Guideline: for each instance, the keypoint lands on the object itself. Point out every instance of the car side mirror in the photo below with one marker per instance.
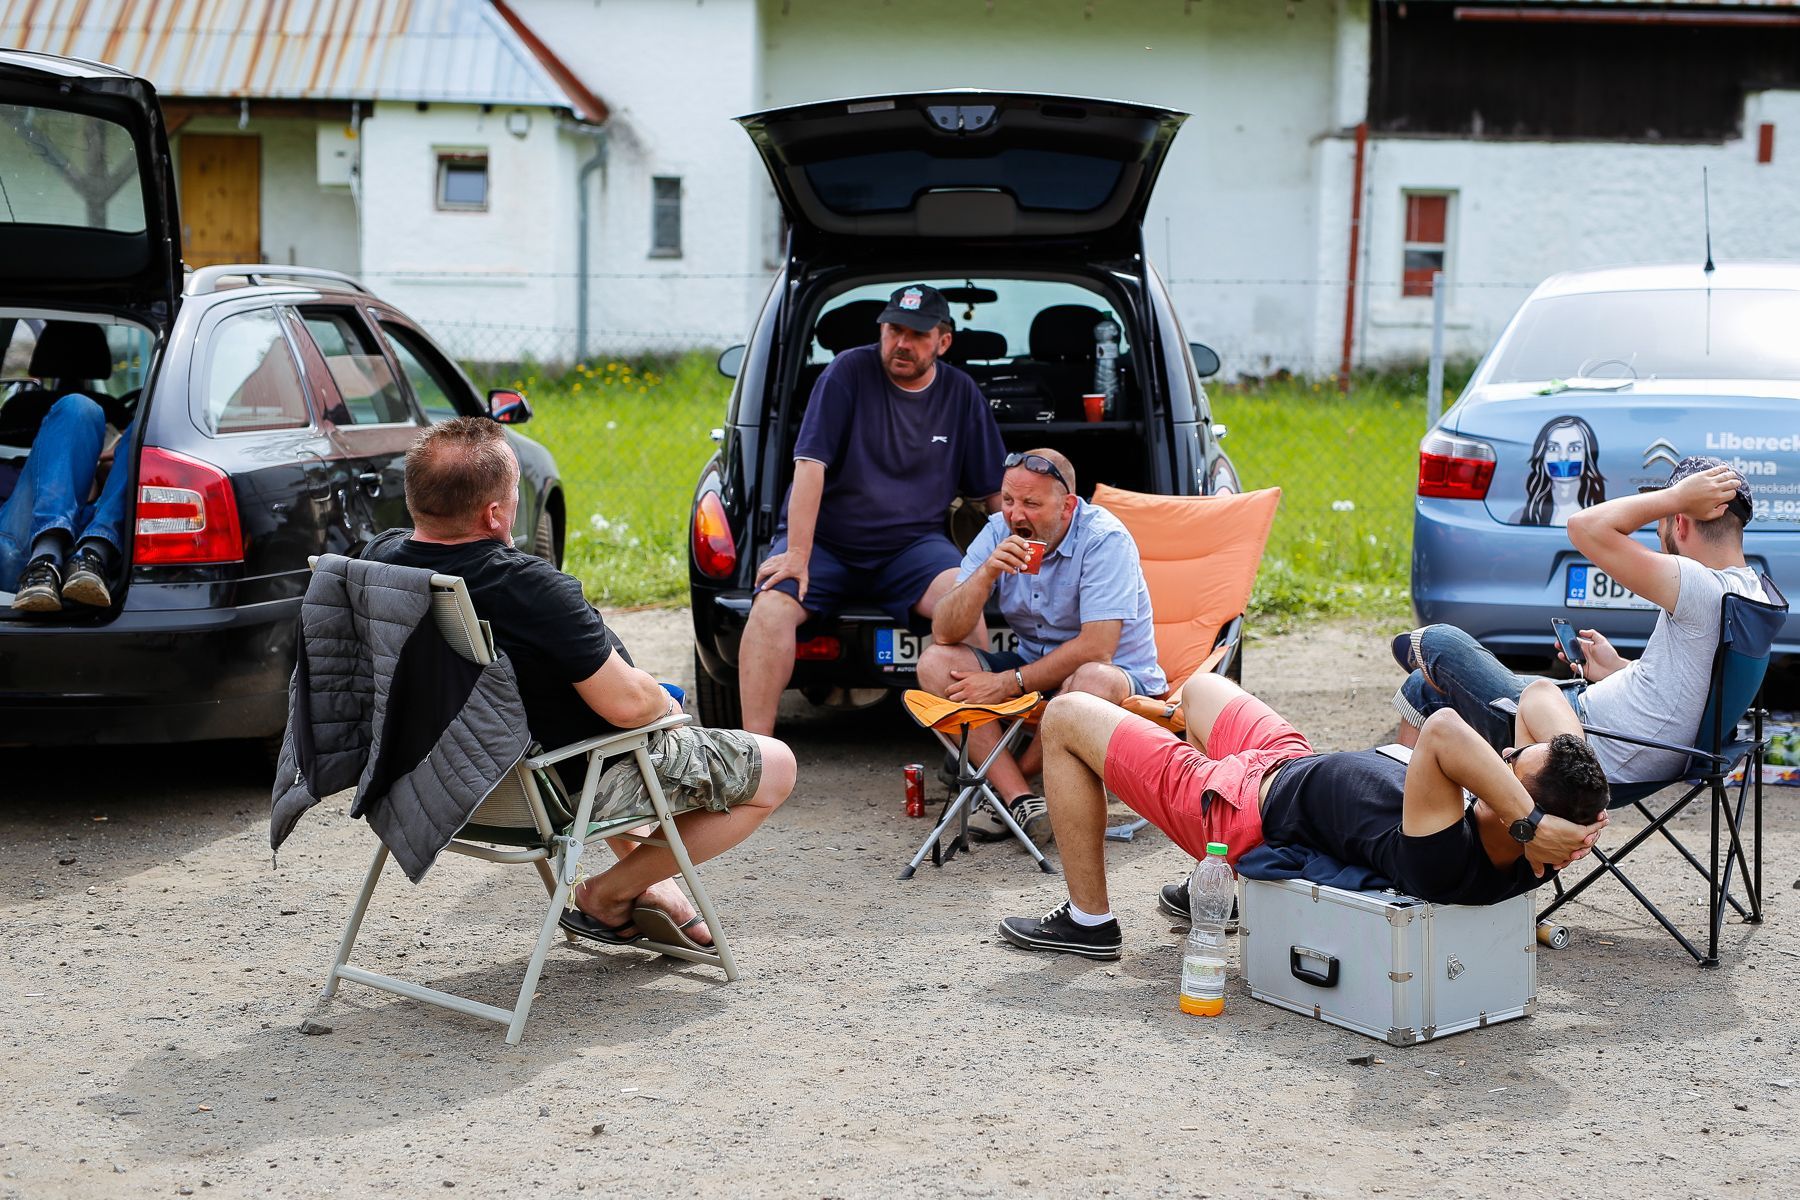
(1206, 360)
(731, 361)
(508, 407)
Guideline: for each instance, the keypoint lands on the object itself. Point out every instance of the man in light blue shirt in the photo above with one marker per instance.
(1082, 619)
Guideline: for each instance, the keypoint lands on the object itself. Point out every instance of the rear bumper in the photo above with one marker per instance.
(719, 619)
(148, 676)
(1502, 583)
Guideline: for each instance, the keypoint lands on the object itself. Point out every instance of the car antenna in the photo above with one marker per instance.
(1706, 218)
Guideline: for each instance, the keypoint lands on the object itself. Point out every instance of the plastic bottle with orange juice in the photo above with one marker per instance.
(1210, 892)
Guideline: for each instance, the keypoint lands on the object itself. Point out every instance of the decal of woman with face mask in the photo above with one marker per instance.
(1564, 475)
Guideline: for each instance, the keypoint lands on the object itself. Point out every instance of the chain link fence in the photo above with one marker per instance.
(629, 424)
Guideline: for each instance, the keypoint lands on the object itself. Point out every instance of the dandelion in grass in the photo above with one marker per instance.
(612, 424)
(1343, 506)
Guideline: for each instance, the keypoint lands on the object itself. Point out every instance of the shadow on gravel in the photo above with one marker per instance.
(116, 810)
(390, 1062)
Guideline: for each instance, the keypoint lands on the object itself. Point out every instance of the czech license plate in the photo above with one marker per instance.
(1590, 587)
(896, 648)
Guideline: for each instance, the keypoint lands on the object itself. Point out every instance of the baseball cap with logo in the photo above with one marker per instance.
(1693, 464)
(917, 306)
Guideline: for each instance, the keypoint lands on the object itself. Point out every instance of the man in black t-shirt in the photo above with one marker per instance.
(1246, 776)
(575, 679)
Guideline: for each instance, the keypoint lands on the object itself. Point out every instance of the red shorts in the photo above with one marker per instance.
(1198, 798)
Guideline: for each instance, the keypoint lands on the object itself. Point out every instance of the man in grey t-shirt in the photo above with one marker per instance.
(1700, 516)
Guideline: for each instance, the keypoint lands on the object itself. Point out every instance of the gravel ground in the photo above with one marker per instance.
(881, 1041)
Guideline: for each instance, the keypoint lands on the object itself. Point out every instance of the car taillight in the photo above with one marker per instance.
(715, 553)
(823, 648)
(186, 512)
(1454, 468)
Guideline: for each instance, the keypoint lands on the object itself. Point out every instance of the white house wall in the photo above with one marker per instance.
(672, 75)
(1525, 210)
(497, 284)
(1234, 208)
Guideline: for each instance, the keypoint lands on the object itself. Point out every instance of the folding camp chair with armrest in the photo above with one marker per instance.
(951, 721)
(1747, 631)
(527, 819)
(1199, 555)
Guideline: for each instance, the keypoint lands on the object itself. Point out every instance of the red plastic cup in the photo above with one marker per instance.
(1037, 556)
(1094, 404)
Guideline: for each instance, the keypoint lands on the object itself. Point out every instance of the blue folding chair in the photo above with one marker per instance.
(1747, 630)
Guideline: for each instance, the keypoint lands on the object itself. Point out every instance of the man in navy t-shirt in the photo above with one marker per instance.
(891, 436)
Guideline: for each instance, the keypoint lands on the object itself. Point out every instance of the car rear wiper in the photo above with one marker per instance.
(1580, 383)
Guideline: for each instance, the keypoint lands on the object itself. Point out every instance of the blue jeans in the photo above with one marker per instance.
(1451, 670)
(51, 492)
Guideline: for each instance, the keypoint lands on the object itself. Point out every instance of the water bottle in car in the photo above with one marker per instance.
(1210, 893)
(1106, 362)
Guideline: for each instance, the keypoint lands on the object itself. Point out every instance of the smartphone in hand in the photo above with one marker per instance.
(1565, 637)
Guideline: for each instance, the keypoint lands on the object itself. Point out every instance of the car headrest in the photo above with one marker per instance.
(850, 325)
(1064, 333)
(71, 350)
(976, 345)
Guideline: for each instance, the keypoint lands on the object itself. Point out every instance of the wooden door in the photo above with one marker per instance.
(221, 198)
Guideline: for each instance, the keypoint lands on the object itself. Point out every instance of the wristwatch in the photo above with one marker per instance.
(1019, 678)
(1525, 828)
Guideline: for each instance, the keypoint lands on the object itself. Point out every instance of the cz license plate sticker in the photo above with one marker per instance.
(899, 649)
(1590, 587)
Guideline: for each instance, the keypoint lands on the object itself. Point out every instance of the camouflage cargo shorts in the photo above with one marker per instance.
(698, 768)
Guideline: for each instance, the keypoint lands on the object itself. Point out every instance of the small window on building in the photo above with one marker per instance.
(462, 182)
(665, 216)
(1426, 244)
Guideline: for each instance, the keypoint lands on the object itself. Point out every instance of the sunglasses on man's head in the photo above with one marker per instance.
(1038, 465)
(1509, 757)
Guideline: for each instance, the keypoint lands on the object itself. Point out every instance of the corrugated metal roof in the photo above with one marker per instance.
(453, 51)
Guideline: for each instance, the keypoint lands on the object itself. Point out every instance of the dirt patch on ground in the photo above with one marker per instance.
(881, 1041)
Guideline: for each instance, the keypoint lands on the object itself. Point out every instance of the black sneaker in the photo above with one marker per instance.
(86, 578)
(1175, 902)
(1056, 930)
(40, 587)
(1028, 811)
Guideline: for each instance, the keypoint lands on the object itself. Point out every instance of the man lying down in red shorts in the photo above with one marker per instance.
(1245, 775)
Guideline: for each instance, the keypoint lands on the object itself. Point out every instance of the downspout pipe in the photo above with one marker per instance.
(1356, 221)
(597, 162)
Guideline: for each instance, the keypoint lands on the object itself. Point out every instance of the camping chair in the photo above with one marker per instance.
(528, 819)
(1199, 555)
(951, 722)
(1747, 631)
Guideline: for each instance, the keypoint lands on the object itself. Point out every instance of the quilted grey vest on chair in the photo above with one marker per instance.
(380, 702)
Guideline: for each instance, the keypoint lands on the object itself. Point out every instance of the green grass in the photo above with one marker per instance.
(1346, 466)
(630, 438)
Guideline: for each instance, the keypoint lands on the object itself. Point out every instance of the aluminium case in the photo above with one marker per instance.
(1388, 965)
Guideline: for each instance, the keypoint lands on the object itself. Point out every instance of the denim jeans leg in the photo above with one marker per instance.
(1457, 673)
(55, 482)
(106, 516)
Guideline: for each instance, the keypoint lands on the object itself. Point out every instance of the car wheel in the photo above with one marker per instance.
(716, 703)
(543, 537)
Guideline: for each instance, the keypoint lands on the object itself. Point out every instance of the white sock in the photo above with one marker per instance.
(1088, 920)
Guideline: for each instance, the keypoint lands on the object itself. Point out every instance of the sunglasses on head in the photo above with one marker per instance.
(1038, 465)
(1511, 756)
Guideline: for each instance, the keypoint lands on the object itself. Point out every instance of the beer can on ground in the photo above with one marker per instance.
(1554, 936)
(915, 789)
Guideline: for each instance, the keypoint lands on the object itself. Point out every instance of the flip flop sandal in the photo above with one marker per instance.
(582, 925)
(659, 926)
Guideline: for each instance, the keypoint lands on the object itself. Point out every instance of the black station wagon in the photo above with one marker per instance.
(1026, 211)
(269, 406)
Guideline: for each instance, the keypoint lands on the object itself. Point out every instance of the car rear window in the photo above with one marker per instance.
(251, 382)
(890, 180)
(371, 394)
(65, 168)
(1684, 334)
